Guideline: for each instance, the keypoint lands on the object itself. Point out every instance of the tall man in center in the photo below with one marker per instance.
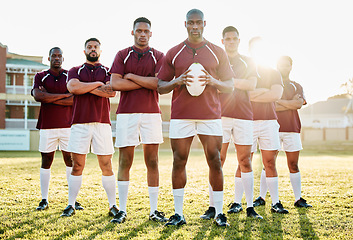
(199, 115)
(139, 119)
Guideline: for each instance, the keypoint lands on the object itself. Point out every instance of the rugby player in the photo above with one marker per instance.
(199, 115)
(91, 124)
(139, 119)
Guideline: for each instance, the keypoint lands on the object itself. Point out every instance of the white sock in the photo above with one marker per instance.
(44, 182)
(210, 190)
(123, 188)
(68, 173)
(75, 183)
(238, 190)
(109, 186)
(178, 200)
(272, 183)
(263, 184)
(248, 184)
(153, 194)
(218, 202)
(295, 179)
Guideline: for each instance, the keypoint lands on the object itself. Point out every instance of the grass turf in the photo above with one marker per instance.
(327, 178)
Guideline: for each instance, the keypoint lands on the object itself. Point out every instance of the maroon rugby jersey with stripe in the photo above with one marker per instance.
(143, 62)
(266, 78)
(177, 61)
(289, 120)
(237, 104)
(52, 115)
(90, 108)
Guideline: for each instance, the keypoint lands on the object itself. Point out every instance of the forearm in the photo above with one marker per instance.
(280, 108)
(225, 86)
(291, 104)
(78, 88)
(46, 97)
(104, 91)
(120, 84)
(164, 87)
(245, 84)
(68, 101)
(145, 82)
(272, 95)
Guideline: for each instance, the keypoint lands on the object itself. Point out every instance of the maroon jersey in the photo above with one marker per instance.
(289, 120)
(177, 61)
(89, 108)
(237, 104)
(266, 78)
(52, 115)
(146, 63)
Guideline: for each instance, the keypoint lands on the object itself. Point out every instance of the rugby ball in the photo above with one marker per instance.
(195, 89)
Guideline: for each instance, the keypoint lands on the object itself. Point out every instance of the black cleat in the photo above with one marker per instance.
(113, 211)
(209, 214)
(120, 217)
(43, 205)
(221, 220)
(158, 217)
(78, 206)
(278, 208)
(250, 212)
(301, 203)
(234, 208)
(176, 220)
(259, 201)
(68, 211)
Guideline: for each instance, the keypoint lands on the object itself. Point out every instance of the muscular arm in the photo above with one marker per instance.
(270, 95)
(65, 101)
(245, 84)
(222, 86)
(45, 97)
(104, 91)
(77, 87)
(293, 104)
(164, 87)
(145, 82)
(119, 83)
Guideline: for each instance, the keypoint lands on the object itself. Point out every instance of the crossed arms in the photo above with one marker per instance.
(98, 88)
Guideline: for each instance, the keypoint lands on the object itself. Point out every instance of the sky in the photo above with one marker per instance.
(317, 35)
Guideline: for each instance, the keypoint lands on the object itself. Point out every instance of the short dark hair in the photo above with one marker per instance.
(194, 11)
(141, 19)
(92, 39)
(285, 58)
(54, 48)
(229, 29)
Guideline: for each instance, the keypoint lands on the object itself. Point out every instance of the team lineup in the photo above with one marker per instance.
(219, 95)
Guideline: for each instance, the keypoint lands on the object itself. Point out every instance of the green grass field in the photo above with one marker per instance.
(327, 179)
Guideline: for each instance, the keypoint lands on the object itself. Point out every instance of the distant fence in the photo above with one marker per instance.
(327, 134)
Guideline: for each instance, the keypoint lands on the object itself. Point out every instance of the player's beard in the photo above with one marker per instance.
(92, 59)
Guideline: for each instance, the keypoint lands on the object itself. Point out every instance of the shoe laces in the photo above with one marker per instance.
(159, 214)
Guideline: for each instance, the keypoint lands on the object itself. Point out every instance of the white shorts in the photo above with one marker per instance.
(239, 129)
(266, 132)
(51, 139)
(180, 128)
(135, 128)
(290, 141)
(98, 136)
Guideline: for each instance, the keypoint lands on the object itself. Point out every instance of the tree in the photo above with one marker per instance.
(348, 86)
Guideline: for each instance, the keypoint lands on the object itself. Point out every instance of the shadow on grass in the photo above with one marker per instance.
(306, 227)
(271, 226)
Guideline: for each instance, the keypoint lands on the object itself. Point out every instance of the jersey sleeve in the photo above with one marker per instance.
(276, 78)
(225, 71)
(160, 56)
(37, 82)
(118, 65)
(72, 74)
(167, 70)
(300, 92)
